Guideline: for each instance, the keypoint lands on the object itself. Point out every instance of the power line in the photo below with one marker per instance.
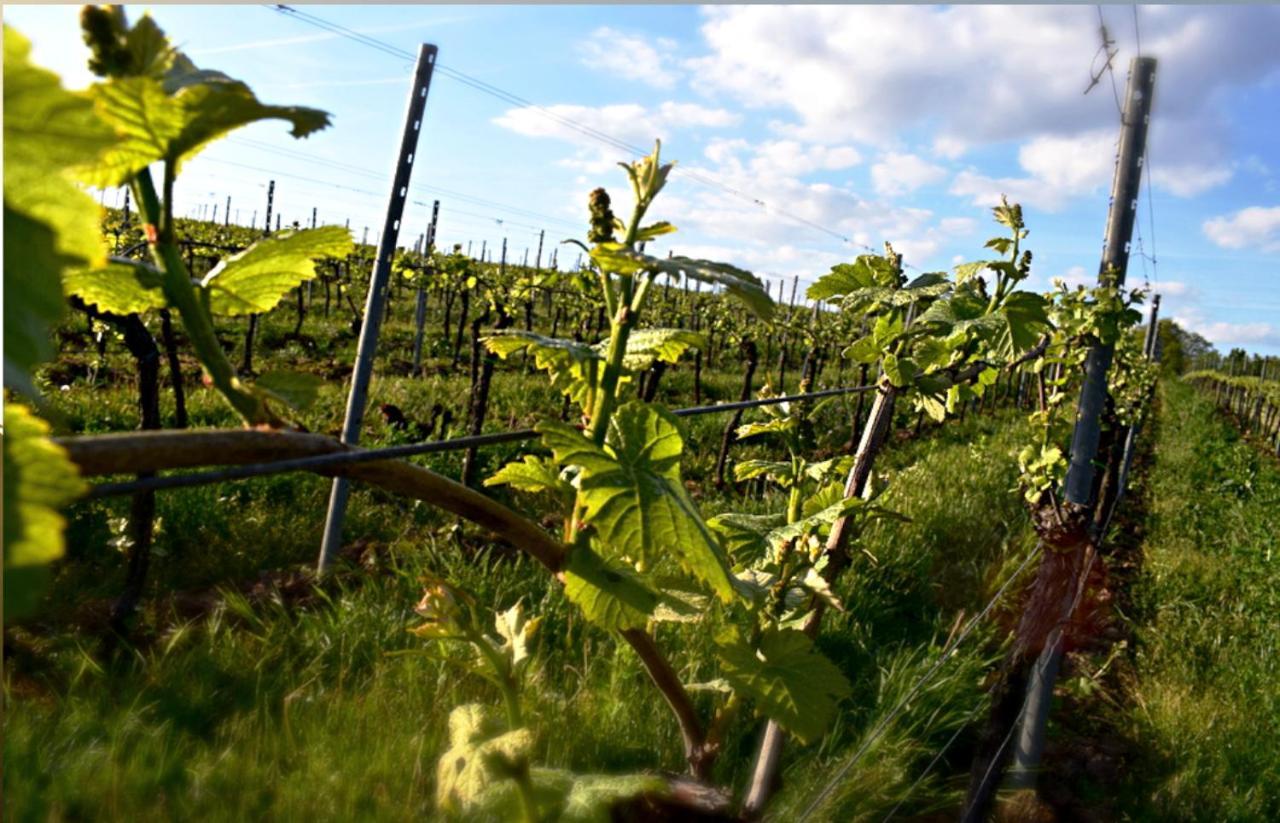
(366, 192)
(567, 122)
(352, 169)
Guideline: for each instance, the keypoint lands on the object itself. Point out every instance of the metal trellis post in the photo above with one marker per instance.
(377, 296)
(1079, 486)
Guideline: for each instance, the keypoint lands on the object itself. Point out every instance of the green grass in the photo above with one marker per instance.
(1206, 700)
(330, 709)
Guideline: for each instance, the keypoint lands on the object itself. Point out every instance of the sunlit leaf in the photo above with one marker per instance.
(121, 287)
(632, 494)
(788, 679)
(297, 390)
(611, 596)
(255, 280)
(38, 480)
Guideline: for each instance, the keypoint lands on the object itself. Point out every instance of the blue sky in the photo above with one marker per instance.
(876, 122)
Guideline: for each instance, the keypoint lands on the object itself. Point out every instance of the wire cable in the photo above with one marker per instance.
(567, 122)
(920, 684)
(266, 468)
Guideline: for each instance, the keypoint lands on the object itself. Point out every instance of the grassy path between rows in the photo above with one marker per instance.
(1204, 700)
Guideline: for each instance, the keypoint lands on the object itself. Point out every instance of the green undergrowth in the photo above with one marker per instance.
(1205, 703)
(323, 705)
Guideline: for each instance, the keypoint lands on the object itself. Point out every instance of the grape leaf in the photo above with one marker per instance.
(173, 118)
(478, 756)
(612, 597)
(646, 345)
(295, 389)
(254, 280)
(632, 494)
(50, 225)
(38, 479)
(567, 362)
(121, 287)
(789, 680)
(865, 272)
(532, 474)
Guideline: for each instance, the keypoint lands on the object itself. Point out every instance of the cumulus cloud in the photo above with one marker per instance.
(1226, 334)
(988, 74)
(631, 57)
(1255, 227)
(896, 174)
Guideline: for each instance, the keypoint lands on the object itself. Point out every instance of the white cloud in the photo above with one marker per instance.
(980, 75)
(1225, 334)
(780, 158)
(1190, 179)
(629, 122)
(1256, 226)
(980, 72)
(792, 158)
(1059, 168)
(949, 147)
(898, 174)
(630, 57)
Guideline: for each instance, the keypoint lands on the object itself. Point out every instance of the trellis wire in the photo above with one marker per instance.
(920, 684)
(180, 481)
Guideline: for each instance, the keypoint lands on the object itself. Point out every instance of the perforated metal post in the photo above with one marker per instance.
(420, 312)
(376, 299)
(271, 195)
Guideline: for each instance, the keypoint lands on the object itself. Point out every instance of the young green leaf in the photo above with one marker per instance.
(568, 363)
(479, 755)
(38, 479)
(50, 224)
(632, 494)
(254, 280)
(173, 118)
(740, 283)
(296, 390)
(122, 287)
(790, 681)
(532, 474)
(611, 596)
(647, 345)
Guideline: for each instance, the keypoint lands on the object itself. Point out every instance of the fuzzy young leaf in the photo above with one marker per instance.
(592, 797)
(532, 474)
(254, 280)
(479, 756)
(647, 233)
(790, 681)
(632, 494)
(516, 631)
